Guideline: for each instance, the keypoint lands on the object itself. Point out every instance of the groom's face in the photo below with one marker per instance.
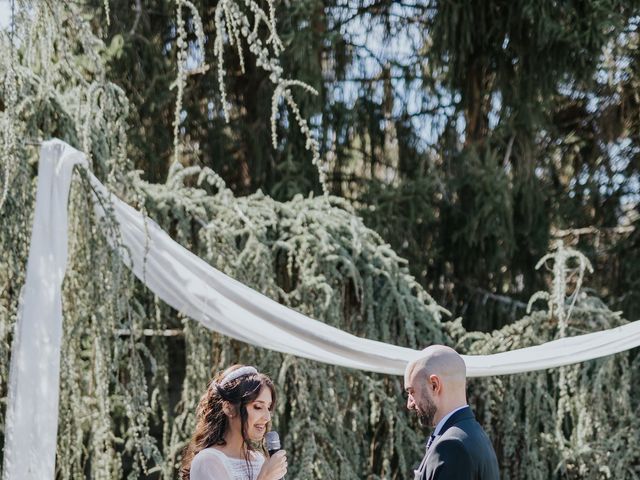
(420, 401)
(426, 410)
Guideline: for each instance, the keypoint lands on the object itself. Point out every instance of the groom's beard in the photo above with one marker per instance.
(426, 412)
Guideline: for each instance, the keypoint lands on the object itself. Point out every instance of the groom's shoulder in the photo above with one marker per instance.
(469, 436)
(451, 448)
(461, 431)
(467, 431)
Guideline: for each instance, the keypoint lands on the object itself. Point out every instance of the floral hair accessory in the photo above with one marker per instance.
(237, 373)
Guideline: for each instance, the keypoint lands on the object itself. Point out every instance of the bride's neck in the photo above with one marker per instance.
(235, 446)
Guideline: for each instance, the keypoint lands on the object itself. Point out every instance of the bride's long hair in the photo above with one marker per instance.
(211, 421)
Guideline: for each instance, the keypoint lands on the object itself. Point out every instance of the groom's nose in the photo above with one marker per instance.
(410, 402)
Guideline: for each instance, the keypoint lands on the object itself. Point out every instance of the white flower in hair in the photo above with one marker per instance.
(240, 372)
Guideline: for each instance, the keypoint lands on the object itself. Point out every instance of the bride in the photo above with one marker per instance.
(232, 417)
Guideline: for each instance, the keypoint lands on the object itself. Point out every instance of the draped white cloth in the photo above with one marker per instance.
(195, 288)
(220, 303)
(32, 403)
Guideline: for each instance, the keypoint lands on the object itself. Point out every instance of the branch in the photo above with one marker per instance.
(558, 233)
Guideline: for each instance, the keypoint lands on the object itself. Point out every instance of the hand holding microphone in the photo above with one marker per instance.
(275, 467)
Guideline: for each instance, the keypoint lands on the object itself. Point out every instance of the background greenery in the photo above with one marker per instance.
(466, 134)
(461, 139)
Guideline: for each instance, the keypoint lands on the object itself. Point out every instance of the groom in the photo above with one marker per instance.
(458, 448)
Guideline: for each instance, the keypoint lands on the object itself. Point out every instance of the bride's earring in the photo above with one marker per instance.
(228, 411)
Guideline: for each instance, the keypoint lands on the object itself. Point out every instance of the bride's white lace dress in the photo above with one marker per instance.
(212, 464)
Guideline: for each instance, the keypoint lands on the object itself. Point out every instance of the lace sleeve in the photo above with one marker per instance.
(209, 465)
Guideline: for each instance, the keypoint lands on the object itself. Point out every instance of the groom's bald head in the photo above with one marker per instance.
(439, 360)
(438, 377)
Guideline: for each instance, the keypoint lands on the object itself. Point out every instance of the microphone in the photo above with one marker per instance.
(272, 441)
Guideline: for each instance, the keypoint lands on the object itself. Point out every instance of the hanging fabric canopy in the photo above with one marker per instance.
(195, 288)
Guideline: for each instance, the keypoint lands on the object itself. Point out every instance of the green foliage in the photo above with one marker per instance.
(588, 432)
(412, 94)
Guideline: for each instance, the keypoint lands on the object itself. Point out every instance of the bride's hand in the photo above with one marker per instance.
(275, 467)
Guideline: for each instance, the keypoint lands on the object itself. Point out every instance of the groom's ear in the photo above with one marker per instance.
(434, 384)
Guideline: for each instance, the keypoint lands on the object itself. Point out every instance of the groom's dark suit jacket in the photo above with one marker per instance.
(462, 451)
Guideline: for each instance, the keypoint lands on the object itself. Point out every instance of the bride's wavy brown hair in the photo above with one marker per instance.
(211, 421)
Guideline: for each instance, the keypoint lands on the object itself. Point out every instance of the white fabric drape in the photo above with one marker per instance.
(32, 403)
(192, 286)
(195, 288)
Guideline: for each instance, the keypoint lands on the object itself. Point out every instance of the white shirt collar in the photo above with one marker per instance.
(441, 423)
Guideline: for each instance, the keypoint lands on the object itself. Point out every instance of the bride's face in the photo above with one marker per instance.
(259, 414)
